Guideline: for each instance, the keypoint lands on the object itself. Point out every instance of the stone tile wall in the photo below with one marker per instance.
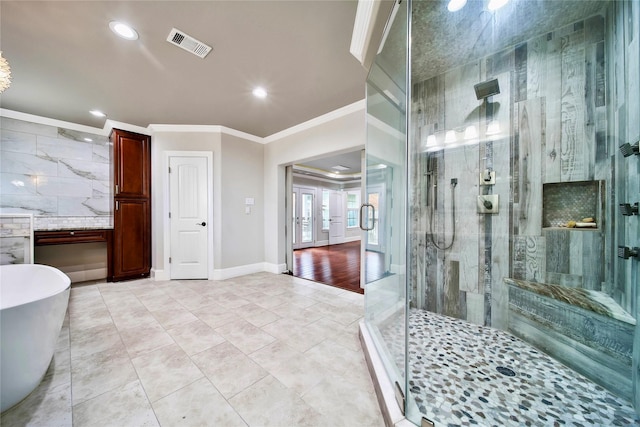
(16, 239)
(55, 172)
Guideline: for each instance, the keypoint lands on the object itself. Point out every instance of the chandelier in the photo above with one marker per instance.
(5, 74)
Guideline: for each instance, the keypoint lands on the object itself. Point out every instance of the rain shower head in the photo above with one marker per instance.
(487, 89)
(628, 149)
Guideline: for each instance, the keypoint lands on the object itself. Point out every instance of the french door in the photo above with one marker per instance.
(303, 202)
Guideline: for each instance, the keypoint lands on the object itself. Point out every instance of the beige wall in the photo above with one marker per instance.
(242, 177)
(161, 142)
(237, 175)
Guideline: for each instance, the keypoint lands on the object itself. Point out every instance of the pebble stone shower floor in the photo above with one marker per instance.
(456, 379)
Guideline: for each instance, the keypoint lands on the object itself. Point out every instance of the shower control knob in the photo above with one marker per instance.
(488, 204)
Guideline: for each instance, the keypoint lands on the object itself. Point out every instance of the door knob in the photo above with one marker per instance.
(201, 223)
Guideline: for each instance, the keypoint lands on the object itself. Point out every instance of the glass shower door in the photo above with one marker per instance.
(383, 214)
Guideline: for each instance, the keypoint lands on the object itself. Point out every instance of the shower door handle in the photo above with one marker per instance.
(362, 208)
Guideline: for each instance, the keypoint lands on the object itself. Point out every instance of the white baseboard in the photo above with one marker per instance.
(351, 239)
(228, 273)
(160, 274)
(321, 243)
(274, 268)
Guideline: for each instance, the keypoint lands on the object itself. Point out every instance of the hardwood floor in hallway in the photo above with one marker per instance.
(337, 265)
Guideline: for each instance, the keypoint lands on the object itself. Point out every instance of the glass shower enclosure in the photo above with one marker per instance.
(502, 156)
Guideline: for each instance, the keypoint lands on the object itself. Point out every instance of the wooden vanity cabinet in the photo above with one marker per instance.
(131, 252)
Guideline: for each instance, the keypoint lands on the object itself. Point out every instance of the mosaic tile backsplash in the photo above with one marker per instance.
(51, 171)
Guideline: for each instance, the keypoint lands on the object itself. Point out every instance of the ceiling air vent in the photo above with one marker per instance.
(188, 43)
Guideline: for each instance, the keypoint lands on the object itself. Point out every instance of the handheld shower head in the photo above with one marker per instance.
(628, 149)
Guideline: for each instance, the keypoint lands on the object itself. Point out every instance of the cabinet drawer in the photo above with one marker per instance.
(64, 237)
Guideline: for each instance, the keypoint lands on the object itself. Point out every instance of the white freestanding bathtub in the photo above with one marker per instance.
(33, 303)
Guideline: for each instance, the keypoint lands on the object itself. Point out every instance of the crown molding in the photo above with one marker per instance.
(205, 129)
(154, 128)
(309, 124)
(112, 124)
(10, 114)
(363, 28)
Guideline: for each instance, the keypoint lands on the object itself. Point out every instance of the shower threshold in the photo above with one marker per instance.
(465, 374)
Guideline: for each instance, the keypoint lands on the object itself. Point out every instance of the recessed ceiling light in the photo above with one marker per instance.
(88, 139)
(123, 30)
(260, 92)
(98, 113)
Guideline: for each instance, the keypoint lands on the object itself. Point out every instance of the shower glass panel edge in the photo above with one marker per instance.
(384, 205)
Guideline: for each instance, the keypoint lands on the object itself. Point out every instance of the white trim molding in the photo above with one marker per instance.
(275, 268)
(241, 270)
(206, 129)
(10, 114)
(159, 275)
(309, 124)
(363, 28)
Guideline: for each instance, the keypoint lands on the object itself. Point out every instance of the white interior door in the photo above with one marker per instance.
(188, 216)
(336, 217)
(303, 217)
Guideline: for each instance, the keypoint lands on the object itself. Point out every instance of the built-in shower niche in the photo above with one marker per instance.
(574, 248)
(566, 202)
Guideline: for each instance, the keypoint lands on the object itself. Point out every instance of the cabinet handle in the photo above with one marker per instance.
(117, 190)
(117, 205)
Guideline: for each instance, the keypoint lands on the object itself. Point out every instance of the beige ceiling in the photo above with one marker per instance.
(65, 61)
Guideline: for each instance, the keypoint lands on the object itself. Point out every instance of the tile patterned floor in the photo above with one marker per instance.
(257, 350)
(456, 379)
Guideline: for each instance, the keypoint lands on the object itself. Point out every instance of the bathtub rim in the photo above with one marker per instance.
(64, 280)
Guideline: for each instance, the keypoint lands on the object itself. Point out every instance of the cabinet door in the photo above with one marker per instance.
(132, 164)
(131, 239)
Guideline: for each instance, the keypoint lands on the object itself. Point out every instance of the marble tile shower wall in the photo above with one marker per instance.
(16, 236)
(55, 174)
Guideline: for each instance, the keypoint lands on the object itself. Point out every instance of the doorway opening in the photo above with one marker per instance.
(323, 201)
